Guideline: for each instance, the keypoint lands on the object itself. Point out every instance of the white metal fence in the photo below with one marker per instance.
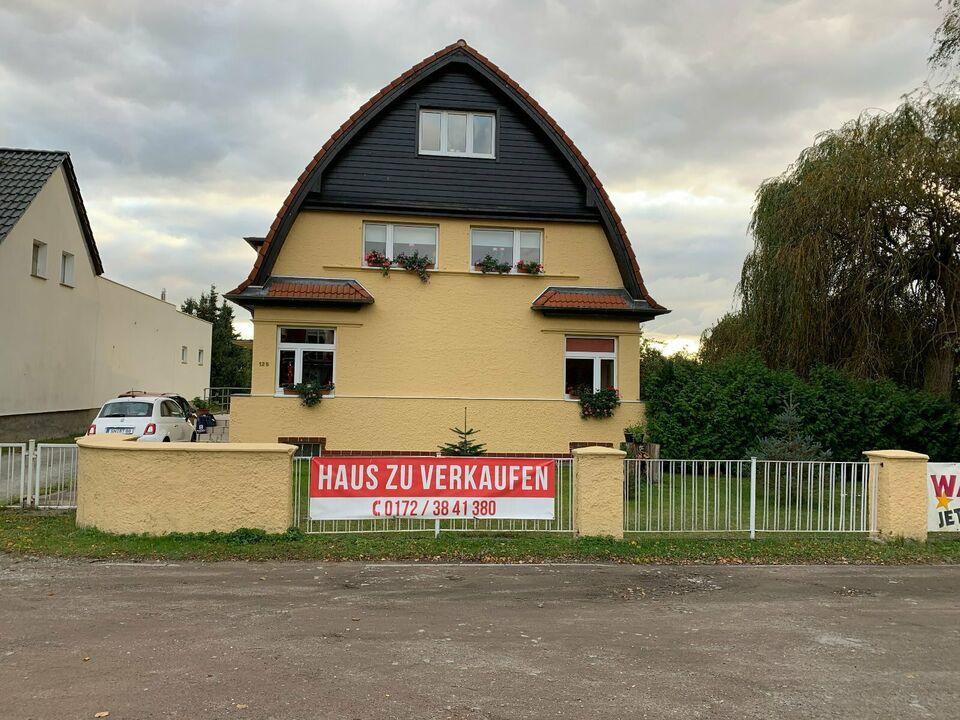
(562, 522)
(39, 475)
(722, 496)
(13, 473)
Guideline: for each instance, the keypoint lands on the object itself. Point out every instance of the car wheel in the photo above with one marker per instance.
(193, 437)
(166, 439)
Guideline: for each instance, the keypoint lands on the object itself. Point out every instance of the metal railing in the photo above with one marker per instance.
(753, 496)
(38, 475)
(55, 476)
(562, 522)
(13, 474)
(219, 398)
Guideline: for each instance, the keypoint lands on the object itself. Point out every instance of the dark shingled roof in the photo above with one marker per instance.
(304, 290)
(294, 199)
(591, 301)
(23, 173)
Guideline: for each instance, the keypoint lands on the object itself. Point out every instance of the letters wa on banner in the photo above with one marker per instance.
(359, 488)
(943, 491)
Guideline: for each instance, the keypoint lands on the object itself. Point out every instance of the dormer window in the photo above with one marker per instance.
(457, 133)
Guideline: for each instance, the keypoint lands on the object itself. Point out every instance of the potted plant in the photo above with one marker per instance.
(415, 262)
(529, 267)
(489, 264)
(377, 259)
(599, 404)
(312, 392)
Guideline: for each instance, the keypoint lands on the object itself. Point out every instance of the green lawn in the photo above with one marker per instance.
(718, 501)
(56, 535)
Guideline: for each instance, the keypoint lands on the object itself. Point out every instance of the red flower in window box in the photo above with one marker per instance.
(377, 259)
(529, 268)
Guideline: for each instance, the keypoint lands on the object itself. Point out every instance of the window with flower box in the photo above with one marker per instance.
(589, 362)
(391, 240)
(305, 355)
(506, 246)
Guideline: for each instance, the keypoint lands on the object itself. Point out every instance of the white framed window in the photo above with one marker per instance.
(183, 354)
(506, 245)
(305, 355)
(589, 362)
(458, 133)
(200, 356)
(392, 240)
(66, 269)
(38, 261)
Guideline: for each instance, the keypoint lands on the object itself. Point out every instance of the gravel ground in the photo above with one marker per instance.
(308, 640)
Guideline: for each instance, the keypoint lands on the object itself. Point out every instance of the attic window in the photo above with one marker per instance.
(463, 134)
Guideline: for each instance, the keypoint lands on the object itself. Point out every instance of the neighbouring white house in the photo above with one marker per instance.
(70, 338)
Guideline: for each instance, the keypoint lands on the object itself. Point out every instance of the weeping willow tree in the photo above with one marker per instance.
(855, 261)
(946, 41)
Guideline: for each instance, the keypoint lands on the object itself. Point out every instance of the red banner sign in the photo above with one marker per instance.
(357, 488)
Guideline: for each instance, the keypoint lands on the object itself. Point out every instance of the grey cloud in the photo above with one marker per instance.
(188, 122)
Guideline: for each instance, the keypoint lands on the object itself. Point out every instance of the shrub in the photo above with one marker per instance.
(723, 409)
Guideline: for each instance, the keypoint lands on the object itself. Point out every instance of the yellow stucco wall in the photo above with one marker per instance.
(424, 350)
(901, 493)
(124, 486)
(506, 426)
(598, 501)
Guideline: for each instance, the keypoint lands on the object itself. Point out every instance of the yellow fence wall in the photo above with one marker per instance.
(124, 486)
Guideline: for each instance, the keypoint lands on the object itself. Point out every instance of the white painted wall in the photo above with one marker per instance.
(71, 348)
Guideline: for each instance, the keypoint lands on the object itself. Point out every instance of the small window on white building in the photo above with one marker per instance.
(66, 269)
(200, 356)
(451, 132)
(183, 354)
(589, 363)
(38, 262)
(305, 355)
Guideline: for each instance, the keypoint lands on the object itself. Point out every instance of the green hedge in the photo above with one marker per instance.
(721, 409)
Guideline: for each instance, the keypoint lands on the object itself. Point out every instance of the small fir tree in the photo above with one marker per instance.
(789, 441)
(466, 446)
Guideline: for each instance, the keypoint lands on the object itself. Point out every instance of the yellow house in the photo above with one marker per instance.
(454, 167)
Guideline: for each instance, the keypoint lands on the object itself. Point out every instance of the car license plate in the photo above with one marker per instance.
(121, 430)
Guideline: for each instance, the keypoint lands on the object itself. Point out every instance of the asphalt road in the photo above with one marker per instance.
(302, 640)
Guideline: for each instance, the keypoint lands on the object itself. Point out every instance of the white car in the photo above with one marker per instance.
(151, 418)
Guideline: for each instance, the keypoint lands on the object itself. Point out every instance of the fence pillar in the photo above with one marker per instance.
(598, 491)
(900, 493)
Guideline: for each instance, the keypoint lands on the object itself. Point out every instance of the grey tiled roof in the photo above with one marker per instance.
(23, 173)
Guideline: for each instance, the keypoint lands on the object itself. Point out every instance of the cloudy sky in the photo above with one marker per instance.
(189, 122)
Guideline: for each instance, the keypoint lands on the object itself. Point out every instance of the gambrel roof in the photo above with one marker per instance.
(23, 174)
(458, 52)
